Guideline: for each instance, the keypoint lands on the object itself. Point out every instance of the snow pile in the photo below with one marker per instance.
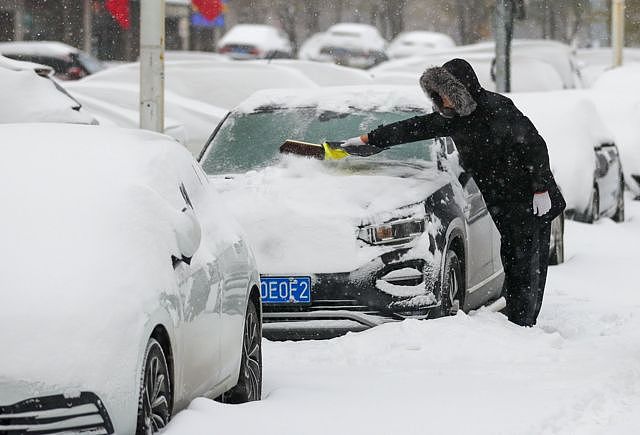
(27, 97)
(576, 373)
(87, 229)
(571, 126)
(302, 216)
(324, 74)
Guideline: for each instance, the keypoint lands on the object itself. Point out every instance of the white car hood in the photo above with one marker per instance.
(302, 216)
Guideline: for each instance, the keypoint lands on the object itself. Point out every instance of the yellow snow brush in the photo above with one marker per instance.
(326, 151)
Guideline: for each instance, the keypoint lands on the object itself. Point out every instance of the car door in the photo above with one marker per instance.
(479, 225)
(608, 171)
(200, 285)
(236, 268)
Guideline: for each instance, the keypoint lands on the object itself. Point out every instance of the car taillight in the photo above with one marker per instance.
(254, 52)
(224, 49)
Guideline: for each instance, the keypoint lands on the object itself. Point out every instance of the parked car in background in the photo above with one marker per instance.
(19, 65)
(68, 62)
(582, 151)
(350, 244)
(30, 97)
(418, 43)
(128, 294)
(616, 94)
(593, 62)
(255, 41)
(198, 94)
(323, 74)
(351, 44)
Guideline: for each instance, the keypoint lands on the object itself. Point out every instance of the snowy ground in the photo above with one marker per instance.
(577, 372)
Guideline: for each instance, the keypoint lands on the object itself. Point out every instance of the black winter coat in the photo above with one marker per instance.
(497, 144)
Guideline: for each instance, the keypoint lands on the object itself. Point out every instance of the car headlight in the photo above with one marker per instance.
(395, 232)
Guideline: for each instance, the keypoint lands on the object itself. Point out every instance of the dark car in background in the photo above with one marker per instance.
(349, 244)
(68, 62)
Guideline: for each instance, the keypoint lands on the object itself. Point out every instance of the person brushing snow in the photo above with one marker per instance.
(508, 159)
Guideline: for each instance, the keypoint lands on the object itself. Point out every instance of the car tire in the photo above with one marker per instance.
(619, 214)
(556, 254)
(594, 208)
(249, 386)
(156, 398)
(453, 288)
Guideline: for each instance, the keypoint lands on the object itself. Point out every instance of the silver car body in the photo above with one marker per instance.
(95, 263)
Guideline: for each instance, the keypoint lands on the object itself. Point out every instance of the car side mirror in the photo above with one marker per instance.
(188, 234)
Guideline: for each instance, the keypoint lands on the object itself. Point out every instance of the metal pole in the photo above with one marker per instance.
(152, 15)
(87, 25)
(617, 30)
(503, 34)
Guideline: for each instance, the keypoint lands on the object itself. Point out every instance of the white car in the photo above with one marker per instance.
(31, 97)
(351, 44)
(127, 291)
(255, 41)
(68, 62)
(419, 43)
(582, 151)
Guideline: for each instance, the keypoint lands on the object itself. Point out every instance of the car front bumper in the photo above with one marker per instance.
(83, 412)
(353, 301)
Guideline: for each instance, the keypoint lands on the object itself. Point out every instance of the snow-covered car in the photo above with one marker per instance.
(255, 41)
(126, 289)
(528, 74)
(68, 62)
(324, 74)
(584, 158)
(356, 242)
(418, 43)
(593, 62)
(616, 95)
(198, 94)
(351, 44)
(31, 97)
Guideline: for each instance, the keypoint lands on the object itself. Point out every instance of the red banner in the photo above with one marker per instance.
(119, 10)
(209, 9)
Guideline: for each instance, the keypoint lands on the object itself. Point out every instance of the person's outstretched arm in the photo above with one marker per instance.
(409, 130)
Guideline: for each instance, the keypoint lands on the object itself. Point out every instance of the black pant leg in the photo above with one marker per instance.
(519, 252)
(544, 236)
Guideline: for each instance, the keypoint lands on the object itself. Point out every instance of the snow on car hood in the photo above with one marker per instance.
(87, 233)
(302, 216)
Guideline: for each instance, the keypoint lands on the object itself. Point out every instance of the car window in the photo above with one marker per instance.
(248, 141)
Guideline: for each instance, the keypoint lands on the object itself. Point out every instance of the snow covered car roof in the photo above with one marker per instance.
(527, 74)
(571, 125)
(28, 97)
(38, 48)
(418, 42)
(223, 84)
(324, 74)
(354, 35)
(261, 35)
(21, 65)
(340, 98)
(88, 229)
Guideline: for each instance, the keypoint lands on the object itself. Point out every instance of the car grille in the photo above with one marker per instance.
(54, 414)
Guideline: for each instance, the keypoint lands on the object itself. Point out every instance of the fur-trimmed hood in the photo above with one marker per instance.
(455, 79)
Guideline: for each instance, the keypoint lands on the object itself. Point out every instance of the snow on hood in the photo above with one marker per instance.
(571, 126)
(302, 216)
(87, 231)
(27, 97)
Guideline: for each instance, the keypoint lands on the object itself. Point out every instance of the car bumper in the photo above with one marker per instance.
(353, 301)
(83, 412)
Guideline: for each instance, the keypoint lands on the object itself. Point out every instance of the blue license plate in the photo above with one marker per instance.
(285, 290)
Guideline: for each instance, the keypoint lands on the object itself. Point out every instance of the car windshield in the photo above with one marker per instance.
(247, 141)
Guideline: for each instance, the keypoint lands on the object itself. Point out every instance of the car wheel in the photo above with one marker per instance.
(249, 387)
(594, 208)
(619, 215)
(156, 400)
(452, 285)
(556, 253)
